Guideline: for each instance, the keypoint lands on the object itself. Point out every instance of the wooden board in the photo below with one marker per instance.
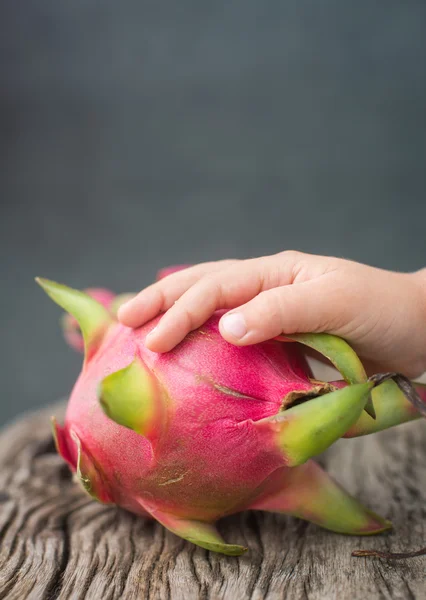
(57, 543)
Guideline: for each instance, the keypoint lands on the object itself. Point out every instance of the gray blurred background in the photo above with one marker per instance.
(137, 134)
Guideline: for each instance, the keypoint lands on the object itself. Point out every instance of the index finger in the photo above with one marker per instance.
(160, 296)
(228, 288)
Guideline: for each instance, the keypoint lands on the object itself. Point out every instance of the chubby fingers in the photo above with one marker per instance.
(286, 309)
(160, 296)
(227, 288)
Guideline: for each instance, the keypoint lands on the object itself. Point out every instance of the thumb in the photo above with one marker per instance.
(297, 308)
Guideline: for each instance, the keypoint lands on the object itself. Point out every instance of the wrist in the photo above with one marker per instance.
(419, 329)
(419, 279)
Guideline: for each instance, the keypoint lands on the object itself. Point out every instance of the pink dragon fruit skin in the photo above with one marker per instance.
(210, 429)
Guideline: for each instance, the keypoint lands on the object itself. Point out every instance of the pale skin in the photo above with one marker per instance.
(382, 314)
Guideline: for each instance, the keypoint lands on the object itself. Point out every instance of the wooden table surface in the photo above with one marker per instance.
(57, 543)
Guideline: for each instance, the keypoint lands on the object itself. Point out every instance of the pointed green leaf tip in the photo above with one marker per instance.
(92, 317)
(133, 398)
(310, 428)
(308, 492)
(200, 533)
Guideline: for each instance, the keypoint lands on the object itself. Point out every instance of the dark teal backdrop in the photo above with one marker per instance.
(136, 134)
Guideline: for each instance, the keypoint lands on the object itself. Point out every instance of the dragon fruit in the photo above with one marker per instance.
(210, 429)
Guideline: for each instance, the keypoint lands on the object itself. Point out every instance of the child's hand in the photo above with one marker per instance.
(382, 314)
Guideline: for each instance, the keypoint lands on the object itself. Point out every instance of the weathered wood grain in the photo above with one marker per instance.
(57, 543)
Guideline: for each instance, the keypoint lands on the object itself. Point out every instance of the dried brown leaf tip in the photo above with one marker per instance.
(389, 555)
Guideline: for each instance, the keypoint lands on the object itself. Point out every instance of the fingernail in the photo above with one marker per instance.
(235, 325)
(152, 331)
